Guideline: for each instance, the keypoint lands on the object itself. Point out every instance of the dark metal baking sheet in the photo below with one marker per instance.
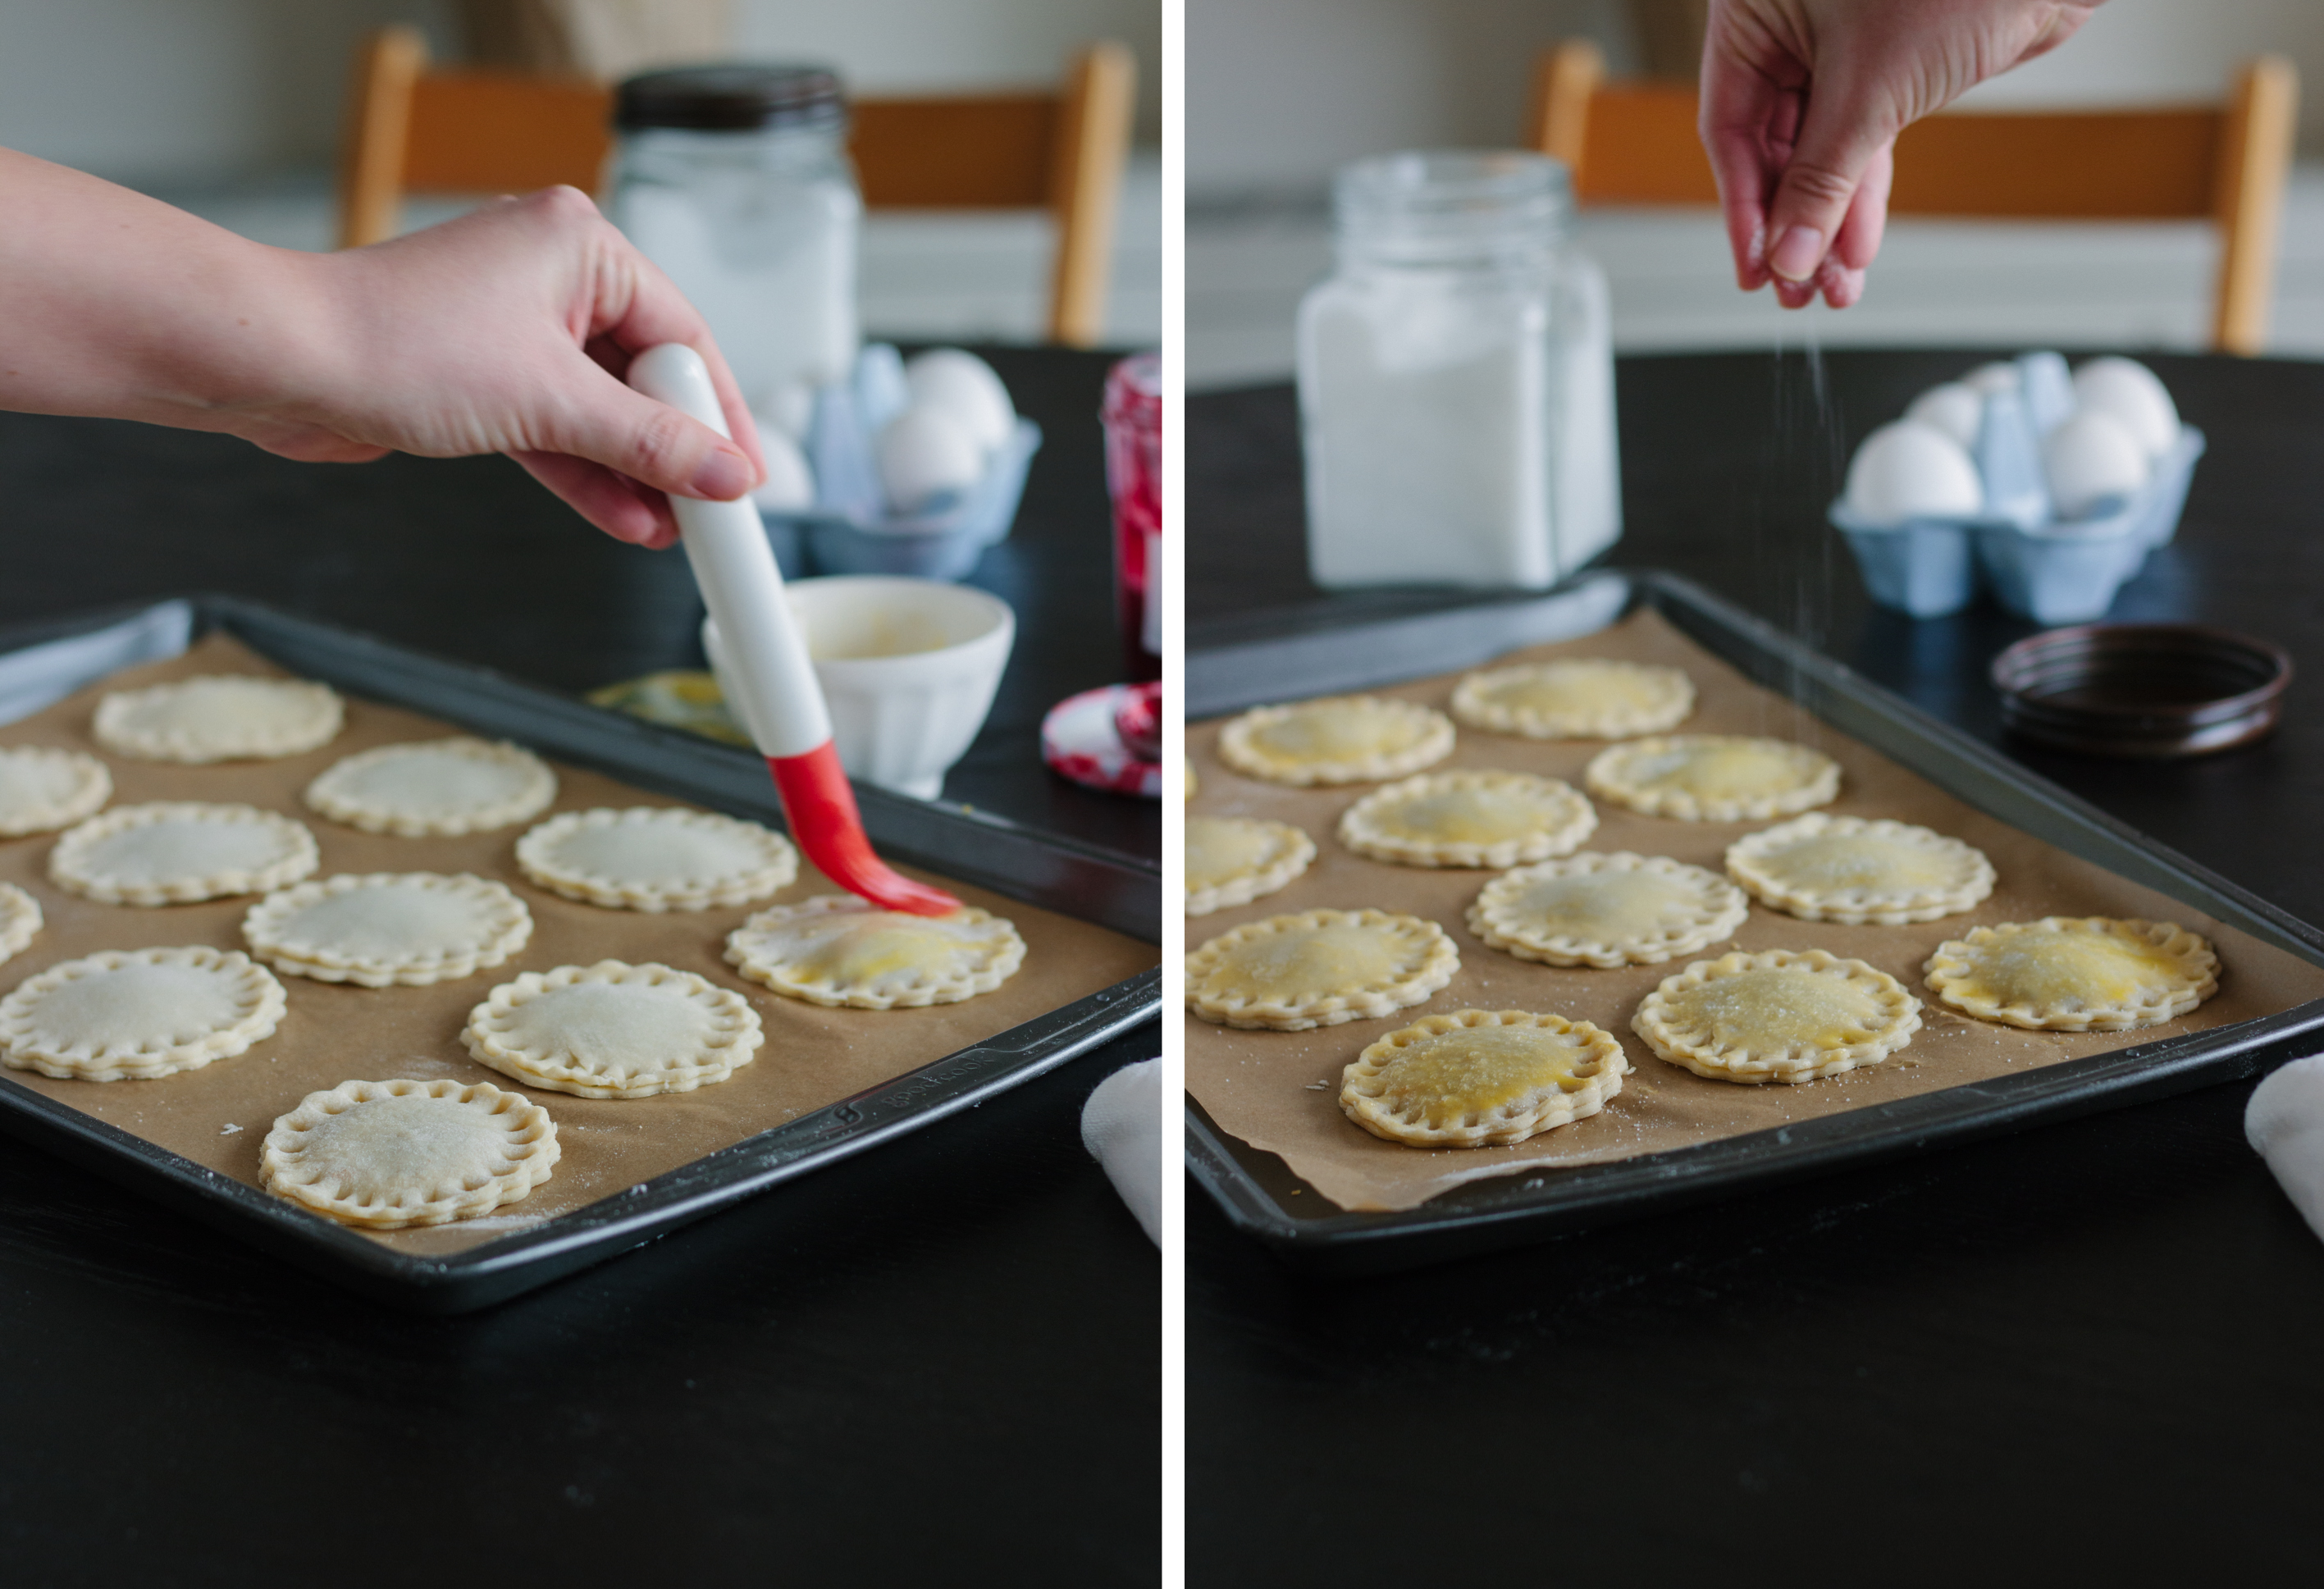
(1119, 892)
(1256, 1189)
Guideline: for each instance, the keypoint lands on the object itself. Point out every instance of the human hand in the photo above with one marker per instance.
(1802, 103)
(510, 330)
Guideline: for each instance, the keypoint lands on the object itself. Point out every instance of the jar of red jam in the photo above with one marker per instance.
(1133, 473)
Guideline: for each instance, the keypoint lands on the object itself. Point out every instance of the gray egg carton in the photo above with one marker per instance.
(850, 531)
(2040, 567)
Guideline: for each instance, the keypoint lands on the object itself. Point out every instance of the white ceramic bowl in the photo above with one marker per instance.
(908, 668)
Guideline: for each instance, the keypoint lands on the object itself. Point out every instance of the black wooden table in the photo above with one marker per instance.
(2087, 1354)
(936, 1360)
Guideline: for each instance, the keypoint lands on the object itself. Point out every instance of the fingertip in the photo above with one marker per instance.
(723, 475)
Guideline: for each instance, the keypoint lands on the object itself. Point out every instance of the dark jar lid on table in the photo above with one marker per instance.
(736, 98)
(2141, 689)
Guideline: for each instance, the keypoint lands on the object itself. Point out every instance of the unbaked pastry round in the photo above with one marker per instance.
(613, 1030)
(1845, 869)
(1337, 739)
(134, 1015)
(19, 919)
(1714, 777)
(1777, 1016)
(2075, 974)
(1318, 969)
(656, 858)
(1580, 697)
(435, 787)
(1467, 819)
(176, 852)
(388, 1154)
(1234, 860)
(1477, 1078)
(42, 790)
(836, 949)
(1607, 910)
(386, 927)
(219, 718)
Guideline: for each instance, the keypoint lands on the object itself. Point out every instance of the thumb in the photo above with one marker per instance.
(654, 444)
(1836, 146)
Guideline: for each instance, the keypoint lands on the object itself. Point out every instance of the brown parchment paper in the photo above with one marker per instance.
(218, 1115)
(1279, 1091)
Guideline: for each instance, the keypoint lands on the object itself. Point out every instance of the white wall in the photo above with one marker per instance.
(890, 46)
(1279, 92)
(2150, 50)
(184, 91)
(173, 92)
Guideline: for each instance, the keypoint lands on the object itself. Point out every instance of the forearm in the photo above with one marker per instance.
(119, 306)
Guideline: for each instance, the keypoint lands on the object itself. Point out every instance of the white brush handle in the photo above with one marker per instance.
(726, 543)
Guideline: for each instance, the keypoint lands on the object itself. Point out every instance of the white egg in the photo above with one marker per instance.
(2130, 390)
(1956, 409)
(1909, 470)
(790, 409)
(963, 385)
(924, 453)
(2000, 375)
(790, 484)
(2088, 459)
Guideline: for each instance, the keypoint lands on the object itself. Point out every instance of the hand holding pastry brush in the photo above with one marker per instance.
(726, 544)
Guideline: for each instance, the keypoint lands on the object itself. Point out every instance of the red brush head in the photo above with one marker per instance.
(825, 824)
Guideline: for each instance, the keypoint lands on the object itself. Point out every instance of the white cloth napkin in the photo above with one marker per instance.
(2285, 1122)
(1121, 1126)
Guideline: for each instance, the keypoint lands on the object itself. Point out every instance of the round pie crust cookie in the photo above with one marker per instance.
(656, 858)
(613, 1030)
(839, 951)
(1318, 969)
(42, 790)
(174, 853)
(1777, 1016)
(19, 919)
(219, 718)
(437, 787)
(1607, 910)
(1478, 1078)
(388, 1154)
(1234, 860)
(131, 1015)
(1846, 869)
(1580, 699)
(2075, 974)
(385, 927)
(1469, 819)
(1714, 777)
(1338, 739)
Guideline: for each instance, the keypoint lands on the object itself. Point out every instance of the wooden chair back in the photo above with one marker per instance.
(414, 130)
(1637, 144)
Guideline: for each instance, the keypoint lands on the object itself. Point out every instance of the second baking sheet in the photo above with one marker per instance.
(1278, 1091)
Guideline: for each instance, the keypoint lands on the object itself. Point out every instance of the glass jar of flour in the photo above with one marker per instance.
(1456, 379)
(735, 179)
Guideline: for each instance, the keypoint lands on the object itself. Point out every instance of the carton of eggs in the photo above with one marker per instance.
(2050, 485)
(910, 466)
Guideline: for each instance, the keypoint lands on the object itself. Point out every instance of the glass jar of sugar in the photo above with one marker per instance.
(1456, 379)
(735, 179)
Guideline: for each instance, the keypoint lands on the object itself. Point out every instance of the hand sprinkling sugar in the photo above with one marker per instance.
(1802, 103)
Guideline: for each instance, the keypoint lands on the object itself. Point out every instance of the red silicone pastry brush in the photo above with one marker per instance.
(760, 644)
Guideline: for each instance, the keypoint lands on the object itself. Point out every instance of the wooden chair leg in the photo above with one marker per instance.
(378, 125)
(2256, 147)
(1565, 78)
(1092, 146)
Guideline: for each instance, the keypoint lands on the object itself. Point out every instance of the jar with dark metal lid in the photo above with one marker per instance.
(735, 179)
